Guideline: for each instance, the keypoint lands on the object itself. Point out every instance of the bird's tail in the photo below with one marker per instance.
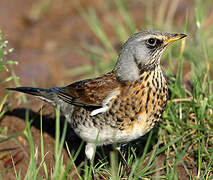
(47, 95)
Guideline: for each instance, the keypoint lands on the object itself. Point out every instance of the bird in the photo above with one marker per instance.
(121, 105)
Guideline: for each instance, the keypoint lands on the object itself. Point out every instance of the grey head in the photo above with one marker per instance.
(142, 52)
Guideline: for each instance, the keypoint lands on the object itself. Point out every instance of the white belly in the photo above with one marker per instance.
(109, 135)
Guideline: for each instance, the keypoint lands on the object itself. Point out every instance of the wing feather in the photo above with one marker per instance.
(90, 92)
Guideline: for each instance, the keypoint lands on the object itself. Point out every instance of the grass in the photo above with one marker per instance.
(184, 136)
(3, 67)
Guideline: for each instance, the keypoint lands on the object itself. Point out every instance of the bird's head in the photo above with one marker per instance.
(142, 52)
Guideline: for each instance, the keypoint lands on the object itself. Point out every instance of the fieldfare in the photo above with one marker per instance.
(119, 106)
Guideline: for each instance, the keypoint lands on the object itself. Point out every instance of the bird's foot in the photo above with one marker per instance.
(127, 168)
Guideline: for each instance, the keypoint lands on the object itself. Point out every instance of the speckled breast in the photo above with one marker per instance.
(131, 114)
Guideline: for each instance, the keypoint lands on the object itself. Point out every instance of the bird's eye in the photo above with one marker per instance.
(151, 41)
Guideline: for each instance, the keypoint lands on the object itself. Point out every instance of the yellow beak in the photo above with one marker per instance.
(173, 38)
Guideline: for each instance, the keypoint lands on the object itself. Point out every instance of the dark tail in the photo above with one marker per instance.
(45, 94)
(29, 90)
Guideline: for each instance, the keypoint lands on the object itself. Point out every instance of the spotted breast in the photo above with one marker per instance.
(131, 112)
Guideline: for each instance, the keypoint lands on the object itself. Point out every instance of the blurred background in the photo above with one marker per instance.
(52, 37)
(56, 42)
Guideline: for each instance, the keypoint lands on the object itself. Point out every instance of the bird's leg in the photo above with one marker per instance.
(127, 168)
(89, 151)
(93, 170)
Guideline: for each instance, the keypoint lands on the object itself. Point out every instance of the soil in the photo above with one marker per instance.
(45, 38)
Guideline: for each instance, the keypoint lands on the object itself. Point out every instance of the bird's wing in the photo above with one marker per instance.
(90, 92)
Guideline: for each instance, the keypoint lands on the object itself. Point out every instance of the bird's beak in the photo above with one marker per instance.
(173, 38)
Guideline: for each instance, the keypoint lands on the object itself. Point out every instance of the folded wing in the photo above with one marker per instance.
(89, 92)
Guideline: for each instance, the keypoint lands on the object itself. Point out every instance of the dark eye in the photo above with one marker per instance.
(151, 41)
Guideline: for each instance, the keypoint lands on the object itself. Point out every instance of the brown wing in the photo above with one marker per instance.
(90, 92)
